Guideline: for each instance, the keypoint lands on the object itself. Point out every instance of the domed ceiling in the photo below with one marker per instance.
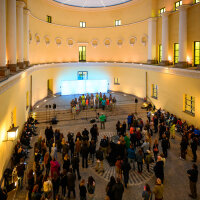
(92, 3)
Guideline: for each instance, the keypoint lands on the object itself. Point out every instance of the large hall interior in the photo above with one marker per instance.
(99, 99)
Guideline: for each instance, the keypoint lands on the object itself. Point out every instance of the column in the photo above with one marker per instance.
(11, 35)
(152, 23)
(26, 37)
(182, 36)
(20, 34)
(3, 69)
(165, 39)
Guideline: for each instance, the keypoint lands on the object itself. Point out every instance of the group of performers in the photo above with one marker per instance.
(90, 101)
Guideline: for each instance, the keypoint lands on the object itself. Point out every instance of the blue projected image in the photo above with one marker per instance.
(83, 86)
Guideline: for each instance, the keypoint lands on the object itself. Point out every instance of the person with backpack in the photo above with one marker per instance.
(75, 165)
(147, 194)
(118, 190)
(109, 191)
(91, 188)
(148, 159)
(99, 157)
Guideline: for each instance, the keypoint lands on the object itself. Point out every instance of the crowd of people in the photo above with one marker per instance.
(93, 101)
(57, 159)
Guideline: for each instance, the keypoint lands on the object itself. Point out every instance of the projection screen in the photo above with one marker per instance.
(83, 86)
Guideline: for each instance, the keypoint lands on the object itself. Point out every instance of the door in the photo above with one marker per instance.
(82, 54)
(50, 87)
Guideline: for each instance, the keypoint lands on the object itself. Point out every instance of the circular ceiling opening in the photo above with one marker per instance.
(92, 3)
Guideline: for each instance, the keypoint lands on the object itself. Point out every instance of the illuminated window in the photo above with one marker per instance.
(154, 91)
(176, 53)
(196, 1)
(116, 81)
(196, 53)
(162, 10)
(190, 104)
(82, 24)
(177, 4)
(49, 19)
(82, 54)
(160, 53)
(118, 23)
(82, 75)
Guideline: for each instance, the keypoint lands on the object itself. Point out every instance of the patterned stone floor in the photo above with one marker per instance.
(176, 185)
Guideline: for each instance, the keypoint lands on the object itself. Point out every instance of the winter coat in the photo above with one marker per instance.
(55, 167)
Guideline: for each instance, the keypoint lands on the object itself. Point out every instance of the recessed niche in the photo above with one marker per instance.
(58, 41)
(107, 42)
(47, 39)
(144, 40)
(70, 42)
(132, 41)
(37, 38)
(95, 43)
(120, 42)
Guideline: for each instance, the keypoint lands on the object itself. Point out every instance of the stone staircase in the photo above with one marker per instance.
(43, 116)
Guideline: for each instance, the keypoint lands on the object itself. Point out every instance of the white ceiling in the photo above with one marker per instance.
(92, 3)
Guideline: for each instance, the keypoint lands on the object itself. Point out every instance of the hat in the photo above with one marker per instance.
(148, 151)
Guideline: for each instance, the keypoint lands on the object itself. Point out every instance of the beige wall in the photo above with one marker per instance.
(172, 85)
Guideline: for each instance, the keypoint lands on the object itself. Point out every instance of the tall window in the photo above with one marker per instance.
(27, 100)
(82, 24)
(190, 104)
(49, 19)
(154, 91)
(176, 52)
(196, 1)
(82, 53)
(162, 10)
(118, 22)
(177, 4)
(160, 53)
(196, 53)
(82, 75)
(116, 81)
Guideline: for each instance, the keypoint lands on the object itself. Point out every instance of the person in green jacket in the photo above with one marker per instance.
(102, 119)
(158, 190)
(148, 159)
(127, 140)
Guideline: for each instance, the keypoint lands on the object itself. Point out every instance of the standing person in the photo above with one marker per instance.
(183, 144)
(158, 190)
(129, 121)
(118, 168)
(155, 123)
(131, 156)
(103, 103)
(159, 169)
(75, 165)
(71, 178)
(55, 167)
(126, 168)
(194, 144)
(139, 159)
(78, 146)
(56, 184)
(63, 182)
(164, 145)
(30, 183)
(66, 162)
(109, 191)
(102, 119)
(20, 172)
(104, 145)
(147, 194)
(91, 188)
(118, 190)
(84, 153)
(193, 177)
(54, 151)
(99, 158)
(92, 150)
(155, 149)
(47, 186)
(145, 147)
(172, 131)
(148, 159)
(47, 160)
(83, 190)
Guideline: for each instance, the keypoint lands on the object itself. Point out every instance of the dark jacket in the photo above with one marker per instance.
(75, 162)
(118, 190)
(84, 150)
(159, 169)
(83, 190)
(99, 155)
(193, 175)
(71, 180)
